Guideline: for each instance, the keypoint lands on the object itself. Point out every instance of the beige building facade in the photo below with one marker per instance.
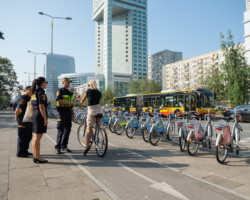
(189, 73)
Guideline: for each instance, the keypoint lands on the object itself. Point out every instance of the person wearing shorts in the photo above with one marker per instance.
(94, 97)
(40, 116)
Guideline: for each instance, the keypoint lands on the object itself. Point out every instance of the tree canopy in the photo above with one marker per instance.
(1, 35)
(231, 82)
(8, 81)
(144, 86)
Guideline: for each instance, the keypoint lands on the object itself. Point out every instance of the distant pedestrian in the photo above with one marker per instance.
(11, 106)
(24, 129)
(65, 105)
(40, 115)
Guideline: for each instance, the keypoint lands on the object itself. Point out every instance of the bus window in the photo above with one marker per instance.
(187, 107)
(157, 102)
(179, 101)
(116, 103)
(193, 107)
(153, 103)
(147, 102)
(169, 101)
(162, 102)
(133, 103)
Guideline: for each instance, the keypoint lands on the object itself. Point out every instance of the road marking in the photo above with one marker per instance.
(184, 173)
(88, 173)
(164, 187)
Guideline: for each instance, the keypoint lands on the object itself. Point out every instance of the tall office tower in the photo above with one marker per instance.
(247, 30)
(57, 65)
(158, 60)
(121, 42)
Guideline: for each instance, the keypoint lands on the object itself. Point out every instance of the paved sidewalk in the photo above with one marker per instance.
(21, 179)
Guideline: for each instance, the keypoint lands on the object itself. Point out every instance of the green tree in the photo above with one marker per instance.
(9, 86)
(134, 87)
(1, 35)
(214, 81)
(235, 71)
(144, 86)
(107, 96)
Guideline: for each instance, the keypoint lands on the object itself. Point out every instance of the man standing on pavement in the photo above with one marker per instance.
(65, 105)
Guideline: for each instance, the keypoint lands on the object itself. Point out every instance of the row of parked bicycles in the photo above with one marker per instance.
(153, 128)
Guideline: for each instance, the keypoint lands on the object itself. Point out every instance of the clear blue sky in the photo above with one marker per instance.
(189, 26)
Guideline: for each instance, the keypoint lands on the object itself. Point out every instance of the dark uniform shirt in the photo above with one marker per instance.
(22, 104)
(94, 97)
(65, 95)
(39, 98)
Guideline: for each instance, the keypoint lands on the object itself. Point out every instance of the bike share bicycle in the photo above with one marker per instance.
(99, 136)
(158, 129)
(227, 138)
(134, 125)
(200, 135)
(184, 125)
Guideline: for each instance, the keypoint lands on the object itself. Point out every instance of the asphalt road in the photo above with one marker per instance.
(133, 169)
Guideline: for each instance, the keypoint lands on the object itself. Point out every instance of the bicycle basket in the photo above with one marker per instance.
(105, 119)
(122, 120)
(198, 132)
(160, 127)
(134, 123)
(227, 135)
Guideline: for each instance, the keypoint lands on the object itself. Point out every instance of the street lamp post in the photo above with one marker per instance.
(35, 60)
(52, 18)
(28, 76)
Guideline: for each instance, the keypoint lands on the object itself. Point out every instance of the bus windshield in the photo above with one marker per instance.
(208, 99)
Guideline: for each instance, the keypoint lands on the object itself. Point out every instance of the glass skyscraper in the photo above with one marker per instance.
(121, 42)
(57, 65)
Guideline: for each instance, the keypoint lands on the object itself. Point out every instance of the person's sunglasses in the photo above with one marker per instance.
(88, 85)
(46, 82)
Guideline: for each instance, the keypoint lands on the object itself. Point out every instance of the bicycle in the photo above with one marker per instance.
(226, 138)
(99, 137)
(120, 122)
(80, 116)
(134, 125)
(200, 135)
(184, 127)
(146, 126)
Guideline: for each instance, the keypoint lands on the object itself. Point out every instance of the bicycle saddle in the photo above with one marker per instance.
(99, 116)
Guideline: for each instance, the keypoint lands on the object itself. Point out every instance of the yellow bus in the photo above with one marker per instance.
(175, 102)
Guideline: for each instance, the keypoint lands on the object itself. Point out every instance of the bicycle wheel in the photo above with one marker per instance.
(81, 134)
(119, 129)
(154, 137)
(192, 147)
(145, 134)
(221, 153)
(130, 132)
(171, 131)
(104, 125)
(111, 126)
(101, 141)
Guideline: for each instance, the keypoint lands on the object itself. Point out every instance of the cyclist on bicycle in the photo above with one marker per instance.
(94, 97)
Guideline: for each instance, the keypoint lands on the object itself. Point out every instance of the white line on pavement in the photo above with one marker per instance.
(99, 183)
(184, 173)
(164, 187)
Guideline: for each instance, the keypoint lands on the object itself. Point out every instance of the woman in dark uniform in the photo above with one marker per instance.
(39, 118)
(24, 129)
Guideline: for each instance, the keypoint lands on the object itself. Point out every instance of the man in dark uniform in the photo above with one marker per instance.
(65, 105)
(24, 128)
